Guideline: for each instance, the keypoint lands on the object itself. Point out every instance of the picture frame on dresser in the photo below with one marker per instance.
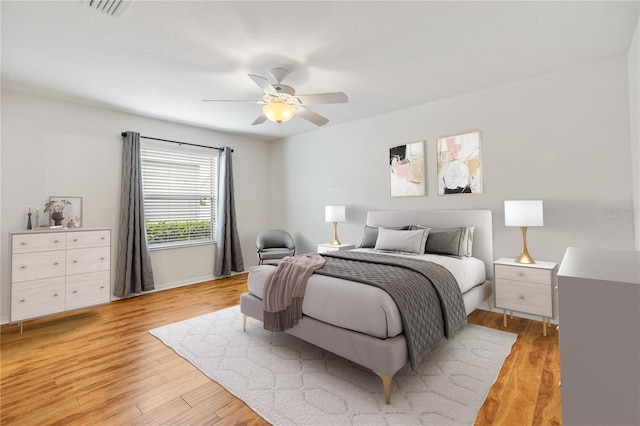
(72, 212)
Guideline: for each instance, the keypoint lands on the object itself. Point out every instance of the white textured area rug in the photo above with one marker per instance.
(290, 382)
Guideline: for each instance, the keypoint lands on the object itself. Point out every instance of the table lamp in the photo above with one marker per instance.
(334, 214)
(523, 213)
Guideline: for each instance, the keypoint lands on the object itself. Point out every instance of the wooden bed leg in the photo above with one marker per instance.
(386, 382)
(244, 322)
(490, 303)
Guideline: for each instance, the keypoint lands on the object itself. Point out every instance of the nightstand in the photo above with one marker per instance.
(526, 288)
(323, 248)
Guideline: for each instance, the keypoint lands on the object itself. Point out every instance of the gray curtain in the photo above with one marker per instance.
(133, 267)
(228, 253)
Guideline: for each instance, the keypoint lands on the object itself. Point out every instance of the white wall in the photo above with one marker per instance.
(562, 137)
(633, 59)
(51, 147)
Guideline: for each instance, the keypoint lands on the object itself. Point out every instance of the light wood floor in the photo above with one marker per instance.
(100, 366)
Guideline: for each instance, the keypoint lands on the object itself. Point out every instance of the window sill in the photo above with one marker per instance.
(178, 246)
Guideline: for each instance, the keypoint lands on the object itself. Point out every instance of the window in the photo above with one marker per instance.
(180, 187)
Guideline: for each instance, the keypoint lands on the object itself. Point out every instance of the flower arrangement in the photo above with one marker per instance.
(56, 206)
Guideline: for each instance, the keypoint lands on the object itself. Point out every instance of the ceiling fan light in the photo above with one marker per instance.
(279, 112)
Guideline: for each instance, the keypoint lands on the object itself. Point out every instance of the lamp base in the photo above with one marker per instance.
(336, 241)
(524, 256)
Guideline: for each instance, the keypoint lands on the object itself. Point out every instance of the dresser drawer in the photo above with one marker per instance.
(82, 261)
(528, 274)
(37, 298)
(531, 298)
(39, 265)
(88, 289)
(84, 239)
(27, 243)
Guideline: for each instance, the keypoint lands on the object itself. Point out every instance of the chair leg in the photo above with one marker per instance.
(244, 322)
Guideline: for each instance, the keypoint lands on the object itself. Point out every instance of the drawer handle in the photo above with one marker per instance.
(55, 263)
(55, 295)
(520, 274)
(22, 301)
(521, 297)
(75, 239)
(101, 287)
(56, 241)
(74, 291)
(23, 267)
(102, 258)
(75, 261)
(23, 243)
(102, 238)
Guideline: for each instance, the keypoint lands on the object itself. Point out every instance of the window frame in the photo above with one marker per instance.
(182, 150)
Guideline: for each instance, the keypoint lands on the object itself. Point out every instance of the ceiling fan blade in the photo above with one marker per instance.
(311, 116)
(264, 84)
(261, 119)
(323, 98)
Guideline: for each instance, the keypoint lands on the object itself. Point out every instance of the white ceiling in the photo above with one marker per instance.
(163, 57)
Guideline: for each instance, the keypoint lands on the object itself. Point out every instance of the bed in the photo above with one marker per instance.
(363, 323)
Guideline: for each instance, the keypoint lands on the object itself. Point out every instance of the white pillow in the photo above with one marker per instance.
(404, 241)
(469, 240)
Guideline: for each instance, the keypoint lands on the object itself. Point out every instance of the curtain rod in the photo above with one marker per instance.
(179, 143)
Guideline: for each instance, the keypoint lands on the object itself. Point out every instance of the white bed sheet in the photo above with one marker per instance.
(362, 307)
(468, 271)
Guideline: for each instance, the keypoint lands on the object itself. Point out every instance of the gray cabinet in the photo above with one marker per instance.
(599, 301)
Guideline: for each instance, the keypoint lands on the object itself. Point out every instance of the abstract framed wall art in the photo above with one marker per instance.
(406, 170)
(459, 164)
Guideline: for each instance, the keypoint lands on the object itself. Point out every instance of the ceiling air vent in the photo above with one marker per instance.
(115, 8)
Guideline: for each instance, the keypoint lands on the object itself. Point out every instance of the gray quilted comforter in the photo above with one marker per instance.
(427, 295)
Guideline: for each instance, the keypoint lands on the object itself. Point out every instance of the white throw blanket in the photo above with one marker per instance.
(284, 290)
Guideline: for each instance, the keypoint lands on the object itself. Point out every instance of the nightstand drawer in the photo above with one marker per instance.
(531, 298)
(527, 274)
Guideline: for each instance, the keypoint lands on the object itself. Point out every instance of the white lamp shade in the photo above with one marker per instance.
(334, 213)
(523, 213)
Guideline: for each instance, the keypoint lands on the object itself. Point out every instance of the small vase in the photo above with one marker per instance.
(57, 217)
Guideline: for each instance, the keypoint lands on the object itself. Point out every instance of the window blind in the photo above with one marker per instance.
(180, 191)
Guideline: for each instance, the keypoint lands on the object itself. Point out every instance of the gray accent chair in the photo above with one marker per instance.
(274, 244)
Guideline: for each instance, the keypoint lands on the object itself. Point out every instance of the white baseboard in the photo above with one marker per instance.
(166, 286)
(176, 284)
(518, 314)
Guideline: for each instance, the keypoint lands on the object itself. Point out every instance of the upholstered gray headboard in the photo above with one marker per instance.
(481, 219)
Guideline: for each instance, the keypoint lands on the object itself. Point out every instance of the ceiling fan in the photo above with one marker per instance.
(281, 102)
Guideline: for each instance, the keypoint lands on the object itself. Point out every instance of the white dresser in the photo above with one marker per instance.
(59, 270)
(599, 297)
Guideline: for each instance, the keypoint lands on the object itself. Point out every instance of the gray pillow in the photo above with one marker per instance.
(403, 241)
(465, 247)
(448, 241)
(371, 235)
